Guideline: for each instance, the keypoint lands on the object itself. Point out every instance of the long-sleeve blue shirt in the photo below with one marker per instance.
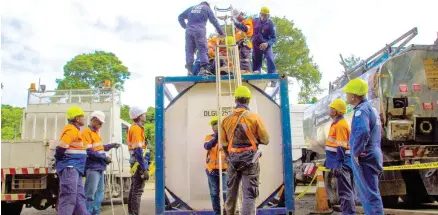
(264, 32)
(365, 130)
(197, 17)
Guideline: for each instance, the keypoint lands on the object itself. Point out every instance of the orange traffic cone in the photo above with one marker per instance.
(321, 206)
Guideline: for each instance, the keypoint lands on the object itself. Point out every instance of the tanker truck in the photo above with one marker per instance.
(403, 90)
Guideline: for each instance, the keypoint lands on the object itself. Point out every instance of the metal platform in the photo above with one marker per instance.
(180, 84)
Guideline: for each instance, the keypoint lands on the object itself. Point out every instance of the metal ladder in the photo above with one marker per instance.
(232, 61)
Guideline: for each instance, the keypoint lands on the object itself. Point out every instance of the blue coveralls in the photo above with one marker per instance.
(365, 144)
(196, 35)
(70, 166)
(338, 159)
(263, 32)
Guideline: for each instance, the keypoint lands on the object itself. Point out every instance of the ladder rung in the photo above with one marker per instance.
(225, 57)
(225, 46)
(226, 94)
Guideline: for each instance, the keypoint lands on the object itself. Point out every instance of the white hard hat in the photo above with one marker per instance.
(236, 13)
(99, 115)
(135, 112)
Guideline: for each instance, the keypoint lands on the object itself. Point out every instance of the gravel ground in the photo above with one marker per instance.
(303, 206)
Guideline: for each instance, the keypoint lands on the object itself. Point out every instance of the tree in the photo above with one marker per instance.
(351, 61)
(11, 122)
(292, 58)
(86, 71)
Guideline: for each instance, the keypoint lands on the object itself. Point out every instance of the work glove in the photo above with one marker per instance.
(144, 174)
(108, 160)
(115, 145)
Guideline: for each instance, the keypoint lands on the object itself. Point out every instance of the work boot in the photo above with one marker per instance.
(204, 72)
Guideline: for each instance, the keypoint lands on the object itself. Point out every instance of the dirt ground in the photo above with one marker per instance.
(303, 206)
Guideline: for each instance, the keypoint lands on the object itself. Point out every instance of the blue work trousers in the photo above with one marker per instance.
(71, 195)
(94, 190)
(213, 184)
(345, 184)
(196, 40)
(366, 177)
(257, 59)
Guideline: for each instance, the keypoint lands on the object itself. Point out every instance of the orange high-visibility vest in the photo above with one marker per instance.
(136, 138)
(71, 139)
(92, 139)
(212, 156)
(339, 135)
(252, 125)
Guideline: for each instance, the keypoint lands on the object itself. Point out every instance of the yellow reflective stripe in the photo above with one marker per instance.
(137, 145)
(74, 151)
(333, 140)
(97, 144)
(342, 143)
(333, 149)
(77, 144)
(63, 145)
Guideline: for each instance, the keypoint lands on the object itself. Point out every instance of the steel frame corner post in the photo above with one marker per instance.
(159, 145)
(287, 146)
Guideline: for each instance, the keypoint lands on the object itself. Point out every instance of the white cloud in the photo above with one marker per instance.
(40, 36)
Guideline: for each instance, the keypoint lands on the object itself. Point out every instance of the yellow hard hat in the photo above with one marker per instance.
(213, 120)
(357, 86)
(339, 105)
(242, 92)
(230, 40)
(264, 10)
(74, 111)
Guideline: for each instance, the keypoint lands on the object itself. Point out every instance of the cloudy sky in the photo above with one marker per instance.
(39, 36)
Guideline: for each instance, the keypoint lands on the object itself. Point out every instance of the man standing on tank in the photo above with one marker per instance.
(196, 34)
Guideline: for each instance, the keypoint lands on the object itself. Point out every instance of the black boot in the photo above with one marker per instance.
(204, 72)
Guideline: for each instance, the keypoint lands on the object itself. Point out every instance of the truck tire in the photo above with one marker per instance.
(13, 208)
(390, 201)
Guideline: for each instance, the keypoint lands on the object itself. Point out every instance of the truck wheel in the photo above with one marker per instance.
(13, 208)
(390, 201)
(332, 190)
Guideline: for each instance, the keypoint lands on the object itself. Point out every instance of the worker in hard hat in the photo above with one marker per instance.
(263, 39)
(212, 170)
(137, 145)
(367, 160)
(196, 35)
(242, 132)
(71, 157)
(244, 31)
(338, 159)
(96, 162)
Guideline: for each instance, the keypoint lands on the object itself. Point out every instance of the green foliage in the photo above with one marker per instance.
(293, 58)
(351, 61)
(91, 70)
(312, 101)
(11, 122)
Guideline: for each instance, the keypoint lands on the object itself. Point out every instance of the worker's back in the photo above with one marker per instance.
(249, 131)
(197, 16)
